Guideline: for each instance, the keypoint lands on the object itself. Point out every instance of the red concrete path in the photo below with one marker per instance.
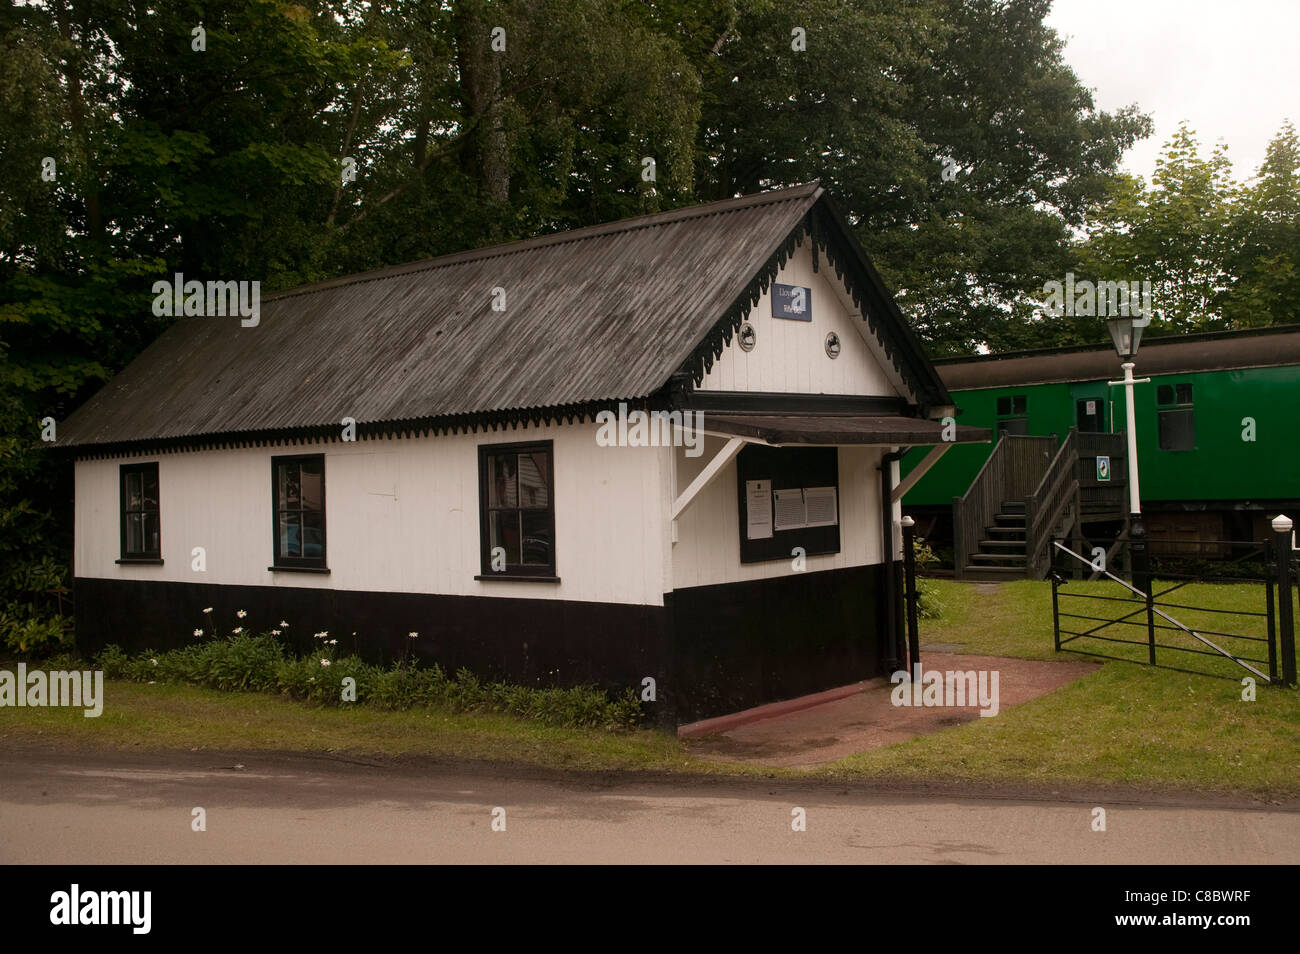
(832, 725)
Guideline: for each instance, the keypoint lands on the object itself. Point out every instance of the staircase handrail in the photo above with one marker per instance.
(1011, 471)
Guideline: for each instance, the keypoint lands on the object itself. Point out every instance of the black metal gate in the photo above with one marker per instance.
(1136, 620)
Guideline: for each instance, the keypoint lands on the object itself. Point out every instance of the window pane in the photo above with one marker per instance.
(537, 537)
(502, 485)
(503, 531)
(149, 524)
(1164, 394)
(290, 497)
(312, 476)
(1177, 429)
(290, 535)
(1015, 426)
(313, 531)
(1018, 404)
(533, 491)
(134, 534)
(133, 496)
(1004, 405)
(1184, 394)
(149, 489)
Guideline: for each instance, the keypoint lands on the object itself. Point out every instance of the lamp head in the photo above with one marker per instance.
(1125, 333)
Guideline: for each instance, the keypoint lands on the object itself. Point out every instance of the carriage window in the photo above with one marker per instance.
(1175, 417)
(1013, 415)
(298, 487)
(141, 530)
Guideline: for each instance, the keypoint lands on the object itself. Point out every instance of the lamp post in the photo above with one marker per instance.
(1126, 333)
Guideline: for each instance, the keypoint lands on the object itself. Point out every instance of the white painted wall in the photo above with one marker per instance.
(791, 356)
(708, 532)
(401, 516)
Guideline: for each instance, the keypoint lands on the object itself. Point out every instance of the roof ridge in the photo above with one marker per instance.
(1191, 337)
(650, 220)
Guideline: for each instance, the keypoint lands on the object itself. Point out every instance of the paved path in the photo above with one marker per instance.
(137, 807)
(868, 719)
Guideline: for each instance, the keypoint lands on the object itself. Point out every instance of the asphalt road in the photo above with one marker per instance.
(108, 808)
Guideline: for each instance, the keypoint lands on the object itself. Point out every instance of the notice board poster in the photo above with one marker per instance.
(758, 509)
(789, 497)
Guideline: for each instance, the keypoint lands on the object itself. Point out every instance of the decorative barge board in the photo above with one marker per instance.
(669, 451)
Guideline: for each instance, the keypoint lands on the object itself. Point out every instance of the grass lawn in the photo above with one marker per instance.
(1126, 725)
(138, 715)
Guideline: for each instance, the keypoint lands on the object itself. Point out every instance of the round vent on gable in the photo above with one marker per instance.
(746, 337)
(833, 345)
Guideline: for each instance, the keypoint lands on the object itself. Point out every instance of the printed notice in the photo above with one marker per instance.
(790, 513)
(820, 503)
(758, 509)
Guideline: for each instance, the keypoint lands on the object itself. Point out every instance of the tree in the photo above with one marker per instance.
(961, 145)
(1265, 265)
(1177, 235)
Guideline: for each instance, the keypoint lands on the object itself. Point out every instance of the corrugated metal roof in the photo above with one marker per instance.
(597, 314)
(1215, 351)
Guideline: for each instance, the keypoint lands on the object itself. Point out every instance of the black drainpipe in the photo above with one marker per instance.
(893, 632)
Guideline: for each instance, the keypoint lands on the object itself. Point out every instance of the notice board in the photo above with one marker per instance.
(789, 497)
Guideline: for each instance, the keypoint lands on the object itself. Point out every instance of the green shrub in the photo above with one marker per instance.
(927, 600)
(33, 636)
(259, 663)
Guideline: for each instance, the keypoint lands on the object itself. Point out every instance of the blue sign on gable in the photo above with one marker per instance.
(792, 301)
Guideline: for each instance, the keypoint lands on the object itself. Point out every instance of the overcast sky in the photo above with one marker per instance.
(1231, 68)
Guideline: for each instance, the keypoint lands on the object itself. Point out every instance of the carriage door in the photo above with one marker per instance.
(1091, 410)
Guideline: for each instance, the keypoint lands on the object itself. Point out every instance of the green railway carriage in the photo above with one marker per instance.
(1218, 427)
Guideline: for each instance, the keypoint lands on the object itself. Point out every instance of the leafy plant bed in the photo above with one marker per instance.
(261, 663)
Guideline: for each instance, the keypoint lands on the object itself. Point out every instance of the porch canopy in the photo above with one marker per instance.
(795, 428)
(877, 429)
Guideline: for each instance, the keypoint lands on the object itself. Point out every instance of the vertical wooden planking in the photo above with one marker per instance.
(790, 356)
(402, 515)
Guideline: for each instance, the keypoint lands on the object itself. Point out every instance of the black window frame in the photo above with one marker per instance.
(529, 572)
(141, 556)
(788, 468)
(1175, 408)
(1015, 420)
(280, 561)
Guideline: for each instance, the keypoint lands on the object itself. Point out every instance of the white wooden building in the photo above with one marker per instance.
(427, 448)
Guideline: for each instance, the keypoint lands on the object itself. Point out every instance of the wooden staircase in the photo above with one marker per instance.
(1029, 491)
(1002, 550)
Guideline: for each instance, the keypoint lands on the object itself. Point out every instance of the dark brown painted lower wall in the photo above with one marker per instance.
(738, 645)
(530, 641)
(711, 650)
